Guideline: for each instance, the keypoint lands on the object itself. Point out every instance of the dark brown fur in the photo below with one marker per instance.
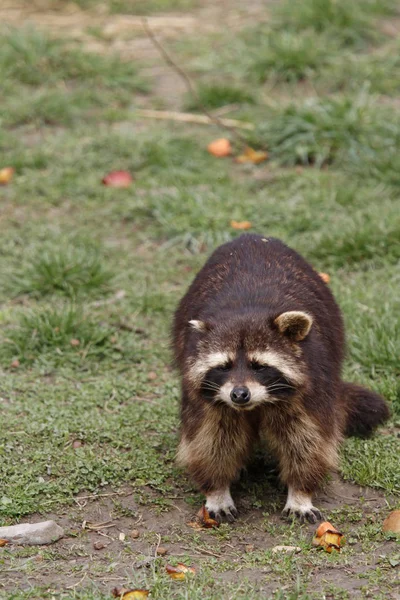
(244, 286)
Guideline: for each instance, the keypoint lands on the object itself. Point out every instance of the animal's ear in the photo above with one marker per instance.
(198, 325)
(294, 324)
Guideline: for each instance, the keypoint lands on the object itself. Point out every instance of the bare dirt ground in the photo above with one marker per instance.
(107, 538)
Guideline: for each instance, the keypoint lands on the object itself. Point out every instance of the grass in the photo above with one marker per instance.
(105, 267)
(215, 95)
(330, 130)
(350, 23)
(67, 269)
(64, 83)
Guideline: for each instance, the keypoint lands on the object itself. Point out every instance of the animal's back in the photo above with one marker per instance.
(255, 271)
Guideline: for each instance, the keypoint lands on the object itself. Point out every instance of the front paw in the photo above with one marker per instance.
(312, 515)
(221, 506)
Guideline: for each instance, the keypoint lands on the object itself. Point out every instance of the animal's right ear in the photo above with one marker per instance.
(198, 325)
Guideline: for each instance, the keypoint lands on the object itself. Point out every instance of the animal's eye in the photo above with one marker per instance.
(226, 367)
(255, 366)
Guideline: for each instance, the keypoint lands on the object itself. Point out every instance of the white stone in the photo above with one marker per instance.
(293, 549)
(32, 534)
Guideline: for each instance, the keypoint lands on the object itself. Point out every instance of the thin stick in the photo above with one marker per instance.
(192, 118)
(191, 88)
(158, 544)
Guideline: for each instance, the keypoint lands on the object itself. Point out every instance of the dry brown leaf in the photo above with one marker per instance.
(118, 179)
(3, 543)
(134, 534)
(203, 520)
(220, 147)
(125, 594)
(180, 571)
(325, 277)
(328, 537)
(99, 545)
(241, 224)
(252, 156)
(392, 523)
(161, 551)
(6, 174)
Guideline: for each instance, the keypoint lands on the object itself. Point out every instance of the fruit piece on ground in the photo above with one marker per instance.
(6, 174)
(252, 156)
(220, 147)
(180, 571)
(241, 224)
(124, 594)
(392, 523)
(118, 179)
(328, 538)
(325, 277)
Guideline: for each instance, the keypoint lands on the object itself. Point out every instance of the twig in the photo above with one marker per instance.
(71, 587)
(202, 551)
(191, 88)
(158, 544)
(192, 118)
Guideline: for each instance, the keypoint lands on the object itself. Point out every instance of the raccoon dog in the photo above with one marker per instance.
(259, 342)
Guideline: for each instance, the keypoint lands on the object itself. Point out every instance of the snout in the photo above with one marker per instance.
(240, 395)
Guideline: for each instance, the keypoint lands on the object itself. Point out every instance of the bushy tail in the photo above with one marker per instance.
(364, 410)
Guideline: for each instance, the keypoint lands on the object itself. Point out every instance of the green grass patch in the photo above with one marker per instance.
(69, 269)
(55, 335)
(140, 7)
(64, 83)
(351, 23)
(289, 56)
(215, 95)
(328, 130)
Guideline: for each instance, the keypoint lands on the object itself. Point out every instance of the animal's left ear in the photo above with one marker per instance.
(294, 324)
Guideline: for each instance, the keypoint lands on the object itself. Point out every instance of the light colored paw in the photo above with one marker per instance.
(220, 504)
(299, 505)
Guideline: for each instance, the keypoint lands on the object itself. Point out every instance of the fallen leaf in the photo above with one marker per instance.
(203, 520)
(252, 156)
(15, 364)
(6, 174)
(220, 147)
(325, 277)
(161, 551)
(74, 342)
(392, 523)
(179, 572)
(99, 545)
(241, 224)
(118, 179)
(125, 594)
(328, 538)
(3, 543)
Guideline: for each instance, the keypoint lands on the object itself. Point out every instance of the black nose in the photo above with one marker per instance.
(240, 395)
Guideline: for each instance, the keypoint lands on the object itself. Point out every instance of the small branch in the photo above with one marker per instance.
(188, 82)
(191, 118)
